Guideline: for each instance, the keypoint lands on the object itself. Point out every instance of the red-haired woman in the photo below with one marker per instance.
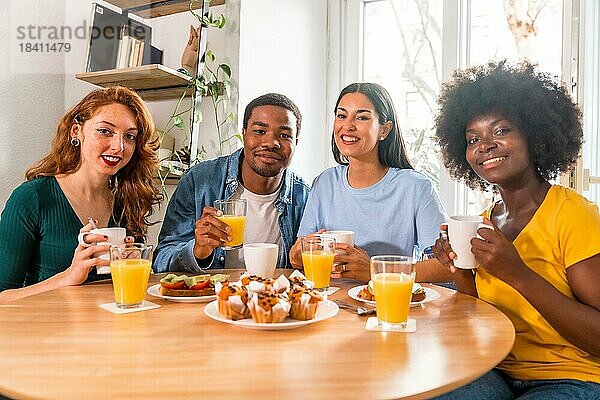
(102, 164)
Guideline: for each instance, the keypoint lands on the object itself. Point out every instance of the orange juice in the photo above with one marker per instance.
(392, 296)
(317, 266)
(238, 225)
(130, 278)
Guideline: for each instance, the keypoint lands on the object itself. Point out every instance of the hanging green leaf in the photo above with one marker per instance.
(226, 69)
(178, 122)
(198, 116)
(239, 137)
(210, 55)
(222, 22)
(231, 116)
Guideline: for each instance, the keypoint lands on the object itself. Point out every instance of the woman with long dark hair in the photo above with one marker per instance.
(375, 190)
(101, 167)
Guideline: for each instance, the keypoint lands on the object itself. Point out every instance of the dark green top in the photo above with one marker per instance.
(38, 234)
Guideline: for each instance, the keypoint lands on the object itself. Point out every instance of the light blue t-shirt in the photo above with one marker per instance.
(389, 217)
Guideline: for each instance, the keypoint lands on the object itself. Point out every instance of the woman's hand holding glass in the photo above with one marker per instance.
(209, 232)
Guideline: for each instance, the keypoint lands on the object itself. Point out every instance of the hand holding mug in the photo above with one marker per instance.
(85, 256)
(346, 237)
(209, 232)
(496, 254)
(104, 236)
(356, 262)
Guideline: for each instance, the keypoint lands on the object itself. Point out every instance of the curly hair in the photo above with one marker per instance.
(133, 186)
(537, 102)
(391, 150)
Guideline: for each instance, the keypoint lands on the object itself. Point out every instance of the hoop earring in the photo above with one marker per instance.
(75, 142)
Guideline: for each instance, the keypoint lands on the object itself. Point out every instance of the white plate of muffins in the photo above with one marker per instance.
(325, 310)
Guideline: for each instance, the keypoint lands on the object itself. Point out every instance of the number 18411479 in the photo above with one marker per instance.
(39, 47)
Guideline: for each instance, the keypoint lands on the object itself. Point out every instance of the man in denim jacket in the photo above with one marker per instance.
(191, 235)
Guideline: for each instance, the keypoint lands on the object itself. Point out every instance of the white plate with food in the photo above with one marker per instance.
(430, 295)
(153, 291)
(326, 309)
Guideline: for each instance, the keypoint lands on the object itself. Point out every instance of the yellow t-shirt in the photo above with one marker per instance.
(563, 231)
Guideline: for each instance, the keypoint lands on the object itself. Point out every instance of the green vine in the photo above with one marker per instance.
(215, 83)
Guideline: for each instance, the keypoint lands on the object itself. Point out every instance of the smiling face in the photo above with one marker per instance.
(497, 150)
(269, 141)
(356, 128)
(107, 139)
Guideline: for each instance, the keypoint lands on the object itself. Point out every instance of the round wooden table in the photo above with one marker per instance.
(62, 345)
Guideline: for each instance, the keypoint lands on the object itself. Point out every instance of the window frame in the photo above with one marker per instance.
(346, 19)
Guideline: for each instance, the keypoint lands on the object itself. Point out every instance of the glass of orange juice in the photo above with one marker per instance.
(234, 215)
(130, 267)
(393, 278)
(317, 258)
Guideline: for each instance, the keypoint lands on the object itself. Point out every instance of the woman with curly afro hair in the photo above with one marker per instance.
(512, 128)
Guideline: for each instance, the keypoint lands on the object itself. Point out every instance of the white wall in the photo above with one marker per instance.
(31, 87)
(283, 48)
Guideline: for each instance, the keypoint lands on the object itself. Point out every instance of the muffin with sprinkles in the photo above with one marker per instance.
(232, 301)
(304, 303)
(257, 284)
(267, 308)
(298, 280)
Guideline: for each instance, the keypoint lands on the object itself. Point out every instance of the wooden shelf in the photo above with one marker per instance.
(158, 8)
(152, 82)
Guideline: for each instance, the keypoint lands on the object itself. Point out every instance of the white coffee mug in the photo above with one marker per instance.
(346, 237)
(461, 229)
(115, 236)
(261, 258)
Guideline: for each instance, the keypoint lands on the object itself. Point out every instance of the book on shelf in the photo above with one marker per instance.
(112, 41)
(140, 59)
(130, 50)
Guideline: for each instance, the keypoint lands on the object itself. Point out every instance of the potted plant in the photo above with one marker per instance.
(213, 82)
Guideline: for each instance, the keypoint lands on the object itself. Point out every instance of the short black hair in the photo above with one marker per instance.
(391, 150)
(273, 99)
(537, 102)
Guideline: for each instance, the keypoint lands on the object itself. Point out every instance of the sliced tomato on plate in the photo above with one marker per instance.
(173, 286)
(201, 285)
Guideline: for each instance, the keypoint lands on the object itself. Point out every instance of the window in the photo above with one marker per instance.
(410, 47)
(402, 50)
(590, 175)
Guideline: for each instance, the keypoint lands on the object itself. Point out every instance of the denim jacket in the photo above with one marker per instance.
(200, 186)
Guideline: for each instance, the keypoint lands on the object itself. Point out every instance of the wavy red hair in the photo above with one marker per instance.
(133, 186)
